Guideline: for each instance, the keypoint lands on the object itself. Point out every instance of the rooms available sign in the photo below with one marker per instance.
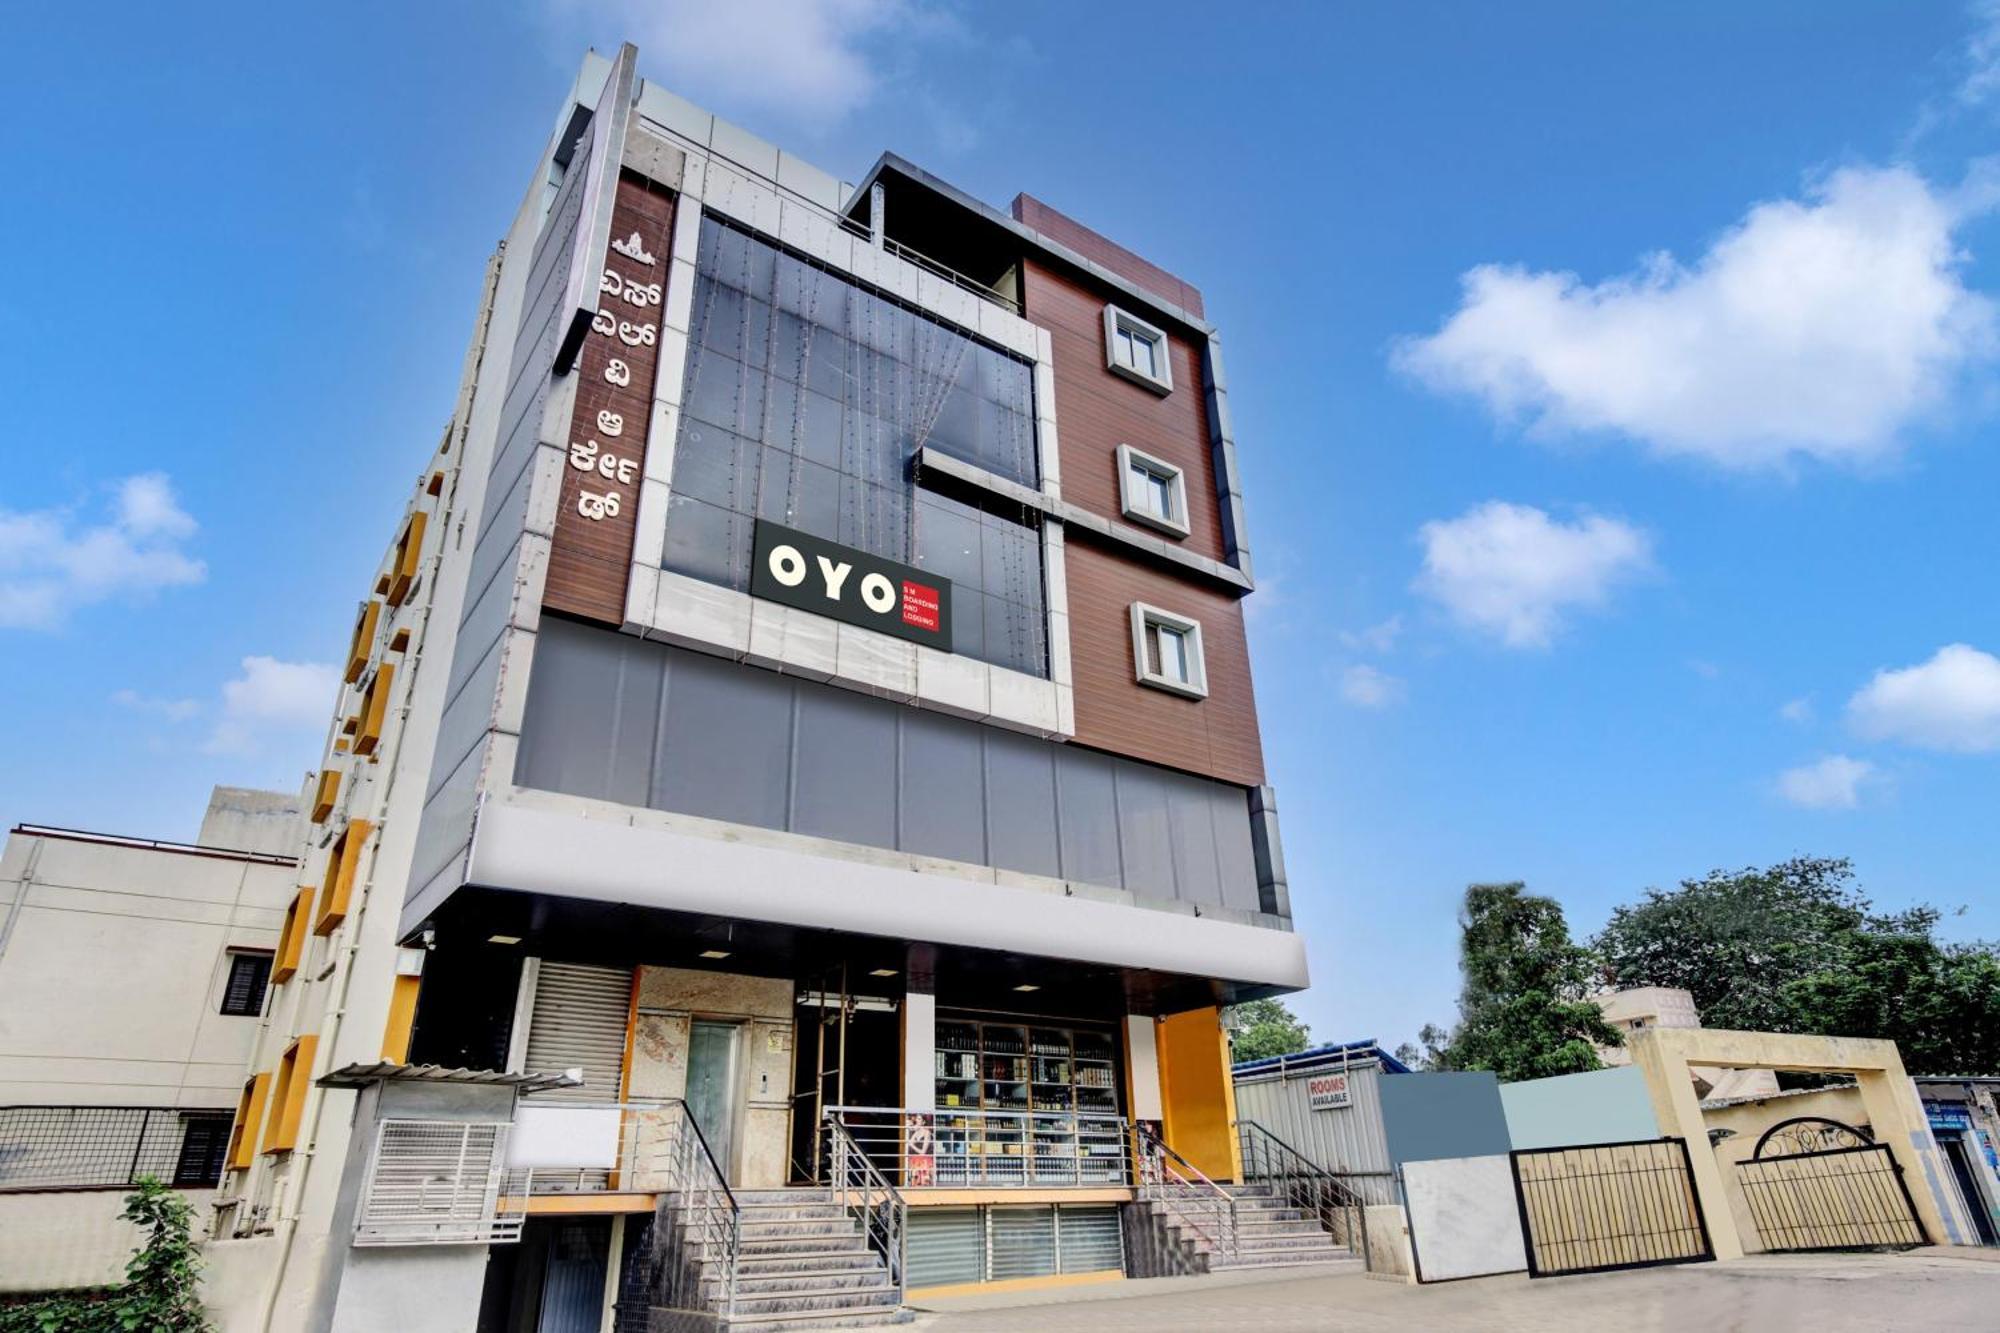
(817, 575)
(1327, 1092)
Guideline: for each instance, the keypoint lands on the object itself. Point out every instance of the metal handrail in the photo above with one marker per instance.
(956, 1146)
(1334, 1205)
(1185, 1189)
(715, 1226)
(880, 1207)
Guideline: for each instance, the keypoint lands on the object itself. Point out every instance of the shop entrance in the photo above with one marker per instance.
(848, 1053)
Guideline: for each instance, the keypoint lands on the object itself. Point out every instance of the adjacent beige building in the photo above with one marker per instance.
(1638, 1008)
(132, 984)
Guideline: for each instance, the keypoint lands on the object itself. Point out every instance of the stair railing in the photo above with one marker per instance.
(868, 1195)
(1191, 1199)
(1304, 1184)
(700, 1223)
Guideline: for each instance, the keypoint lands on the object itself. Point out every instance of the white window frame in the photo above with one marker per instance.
(1116, 320)
(1144, 619)
(1132, 504)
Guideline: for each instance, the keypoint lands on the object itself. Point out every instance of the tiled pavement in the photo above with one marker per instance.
(1835, 1293)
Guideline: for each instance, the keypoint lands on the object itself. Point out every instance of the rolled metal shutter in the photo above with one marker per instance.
(1089, 1238)
(947, 1245)
(1023, 1240)
(578, 1022)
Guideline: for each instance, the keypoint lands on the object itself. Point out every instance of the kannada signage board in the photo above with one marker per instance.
(590, 560)
(1328, 1092)
(813, 574)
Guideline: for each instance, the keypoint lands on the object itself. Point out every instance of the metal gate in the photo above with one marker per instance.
(1840, 1191)
(1597, 1207)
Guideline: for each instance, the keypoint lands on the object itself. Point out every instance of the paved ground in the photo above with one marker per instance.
(1927, 1290)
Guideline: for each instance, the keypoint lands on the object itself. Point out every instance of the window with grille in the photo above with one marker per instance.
(204, 1149)
(249, 976)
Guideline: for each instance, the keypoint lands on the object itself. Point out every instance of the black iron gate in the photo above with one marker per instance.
(1602, 1206)
(1842, 1192)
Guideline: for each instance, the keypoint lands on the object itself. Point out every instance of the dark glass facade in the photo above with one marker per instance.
(806, 401)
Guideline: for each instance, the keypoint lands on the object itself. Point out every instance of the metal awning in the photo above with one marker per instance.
(388, 1071)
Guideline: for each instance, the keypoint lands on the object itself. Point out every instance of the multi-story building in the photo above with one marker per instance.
(808, 702)
(132, 979)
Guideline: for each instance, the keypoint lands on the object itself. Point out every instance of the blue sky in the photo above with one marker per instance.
(1615, 388)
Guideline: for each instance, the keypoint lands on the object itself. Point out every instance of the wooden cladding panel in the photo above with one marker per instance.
(1216, 736)
(590, 560)
(1096, 411)
(1140, 272)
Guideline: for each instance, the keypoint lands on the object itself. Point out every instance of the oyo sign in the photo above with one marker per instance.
(814, 574)
(1327, 1092)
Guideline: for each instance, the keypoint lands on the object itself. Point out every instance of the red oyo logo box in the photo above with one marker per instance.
(920, 605)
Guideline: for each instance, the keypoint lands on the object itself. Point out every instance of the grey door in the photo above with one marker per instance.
(711, 1086)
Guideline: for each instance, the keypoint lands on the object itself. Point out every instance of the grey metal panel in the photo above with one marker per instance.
(947, 1245)
(725, 744)
(942, 810)
(1196, 878)
(1090, 1238)
(466, 718)
(479, 629)
(1434, 1116)
(1021, 803)
(1347, 1138)
(868, 771)
(597, 707)
(1022, 1241)
(1144, 831)
(578, 1022)
(844, 775)
(1234, 855)
(1088, 813)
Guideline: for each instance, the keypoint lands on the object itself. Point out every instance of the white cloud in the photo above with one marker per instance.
(1365, 687)
(51, 563)
(1819, 327)
(1951, 702)
(1981, 55)
(273, 700)
(171, 710)
(807, 60)
(1799, 710)
(1378, 638)
(1512, 571)
(1832, 783)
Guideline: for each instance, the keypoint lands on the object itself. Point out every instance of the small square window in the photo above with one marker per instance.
(1166, 651)
(249, 976)
(1152, 491)
(1137, 350)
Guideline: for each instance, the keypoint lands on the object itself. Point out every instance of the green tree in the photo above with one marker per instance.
(1523, 1012)
(1798, 948)
(1265, 1028)
(1734, 939)
(1428, 1051)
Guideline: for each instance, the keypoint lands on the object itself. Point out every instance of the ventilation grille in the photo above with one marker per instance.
(436, 1183)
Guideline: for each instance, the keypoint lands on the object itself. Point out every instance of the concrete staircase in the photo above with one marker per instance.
(1270, 1233)
(804, 1264)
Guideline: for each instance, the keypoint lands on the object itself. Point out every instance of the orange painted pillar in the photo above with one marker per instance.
(1197, 1095)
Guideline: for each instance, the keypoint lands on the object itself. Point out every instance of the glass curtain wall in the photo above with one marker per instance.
(807, 400)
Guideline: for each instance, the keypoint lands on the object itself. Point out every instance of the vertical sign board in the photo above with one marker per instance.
(1328, 1092)
(596, 521)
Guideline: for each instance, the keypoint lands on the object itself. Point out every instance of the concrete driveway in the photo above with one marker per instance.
(1933, 1289)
